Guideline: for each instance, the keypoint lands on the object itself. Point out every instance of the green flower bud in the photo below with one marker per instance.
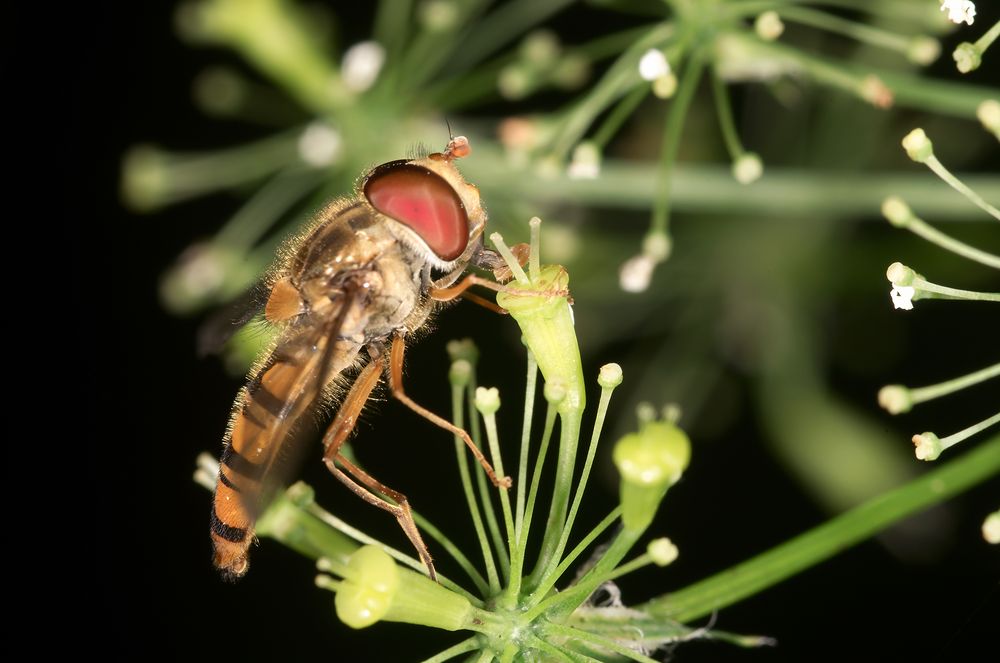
(897, 212)
(610, 376)
(487, 400)
(967, 57)
(662, 550)
(928, 446)
(895, 399)
(918, 146)
(460, 372)
(649, 462)
(368, 589)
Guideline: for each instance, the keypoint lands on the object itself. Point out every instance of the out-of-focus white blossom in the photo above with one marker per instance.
(653, 65)
(361, 65)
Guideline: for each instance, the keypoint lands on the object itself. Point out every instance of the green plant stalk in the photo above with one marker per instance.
(859, 31)
(923, 229)
(930, 392)
(616, 118)
(542, 311)
(671, 139)
(899, 10)
(988, 38)
(391, 28)
(573, 633)
(620, 77)
(494, 442)
(458, 409)
(549, 577)
(821, 543)
(470, 644)
(483, 485)
(966, 433)
(725, 112)
(938, 168)
(522, 543)
(909, 90)
(928, 290)
(517, 549)
(456, 553)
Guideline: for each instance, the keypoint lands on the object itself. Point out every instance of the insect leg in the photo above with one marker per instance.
(396, 384)
(333, 440)
(401, 508)
(448, 294)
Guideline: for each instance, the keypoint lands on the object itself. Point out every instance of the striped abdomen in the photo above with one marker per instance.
(262, 420)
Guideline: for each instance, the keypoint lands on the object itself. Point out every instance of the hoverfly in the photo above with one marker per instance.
(345, 295)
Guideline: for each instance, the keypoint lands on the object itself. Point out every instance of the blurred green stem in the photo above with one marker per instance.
(823, 542)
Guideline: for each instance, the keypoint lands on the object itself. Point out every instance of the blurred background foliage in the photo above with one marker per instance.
(769, 323)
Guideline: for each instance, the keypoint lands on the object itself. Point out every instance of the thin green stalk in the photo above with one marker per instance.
(930, 392)
(547, 579)
(616, 118)
(620, 77)
(725, 111)
(988, 38)
(456, 553)
(562, 604)
(494, 441)
(393, 19)
(928, 290)
(471, 644)
(923, 229)
(560, 654)
(672, 136)
(543, 589)
(859, 31)
(536, 477)
(838, 534)
(484, 487)
(585, 636)
(966, 433)
(645, 559)
(458, 418)
(517, 551)
(957, 184)
(501, 26)
(266, 205)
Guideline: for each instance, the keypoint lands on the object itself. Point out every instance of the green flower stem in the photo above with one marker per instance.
(957, 184)
(550, 576)
(919, 227)
(494, 441)
(485, 492)
(266, 205)
(274, 37)
(988, 38)
(642, 560)
(620, 77)
(930, 392)
(672, 138)
(456, 553)
(571, 633)
(712, 189)
(821, 543)
(458, 410)
(725, 111)
(966, 433)
(837, 25)
(504, 24)
(543, 590)
(391, 27)
(958, 99)
(470, 644)
(153, 178)
(899, 10)
(550, 421)
(559, 654)
(559, 606)
(616, 118)
(517, 549)
(928, 290)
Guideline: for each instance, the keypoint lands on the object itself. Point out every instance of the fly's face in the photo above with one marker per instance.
(430, 207)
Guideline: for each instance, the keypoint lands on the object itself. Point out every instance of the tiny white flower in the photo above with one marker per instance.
(362, 64)
(902, 297)
(319, 145)
(653, 65)
(959, 10)
(636, 273)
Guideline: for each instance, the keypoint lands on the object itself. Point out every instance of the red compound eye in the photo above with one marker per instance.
(424, 202)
